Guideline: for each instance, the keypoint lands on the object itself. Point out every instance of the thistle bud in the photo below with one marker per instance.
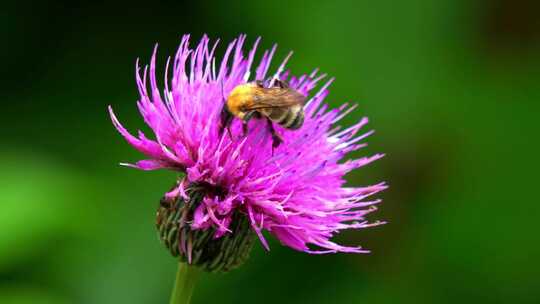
(201, 247)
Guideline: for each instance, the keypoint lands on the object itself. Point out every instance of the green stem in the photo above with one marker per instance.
(184, 285)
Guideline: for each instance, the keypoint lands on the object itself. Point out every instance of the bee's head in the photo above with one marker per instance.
(239, 97)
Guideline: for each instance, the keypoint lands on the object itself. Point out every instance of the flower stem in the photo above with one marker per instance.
(184, 285)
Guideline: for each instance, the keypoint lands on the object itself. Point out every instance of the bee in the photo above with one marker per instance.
(279, 103)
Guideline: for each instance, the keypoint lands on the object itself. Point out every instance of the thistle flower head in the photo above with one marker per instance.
(296, 192)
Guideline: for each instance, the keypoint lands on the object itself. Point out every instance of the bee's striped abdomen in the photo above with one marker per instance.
(290, 118)
(298, 120)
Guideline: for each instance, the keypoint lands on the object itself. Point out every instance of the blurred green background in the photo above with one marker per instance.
(451, 86)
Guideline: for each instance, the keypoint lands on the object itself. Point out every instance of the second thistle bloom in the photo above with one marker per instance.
(296, 192)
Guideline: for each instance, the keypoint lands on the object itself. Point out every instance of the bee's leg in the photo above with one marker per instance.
(246, 120)
(276, 139)
(245, 128)
(226, 120)
(280, 83)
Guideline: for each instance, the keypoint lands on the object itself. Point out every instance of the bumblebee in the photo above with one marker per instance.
(279, 103)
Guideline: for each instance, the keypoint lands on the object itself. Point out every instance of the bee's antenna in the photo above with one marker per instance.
(280, 69)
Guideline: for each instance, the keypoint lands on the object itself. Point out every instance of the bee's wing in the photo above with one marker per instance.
(267, 98)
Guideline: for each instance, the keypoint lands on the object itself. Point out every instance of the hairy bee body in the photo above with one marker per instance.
(278, 103)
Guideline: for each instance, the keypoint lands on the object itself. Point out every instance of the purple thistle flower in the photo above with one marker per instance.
(295, 192)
